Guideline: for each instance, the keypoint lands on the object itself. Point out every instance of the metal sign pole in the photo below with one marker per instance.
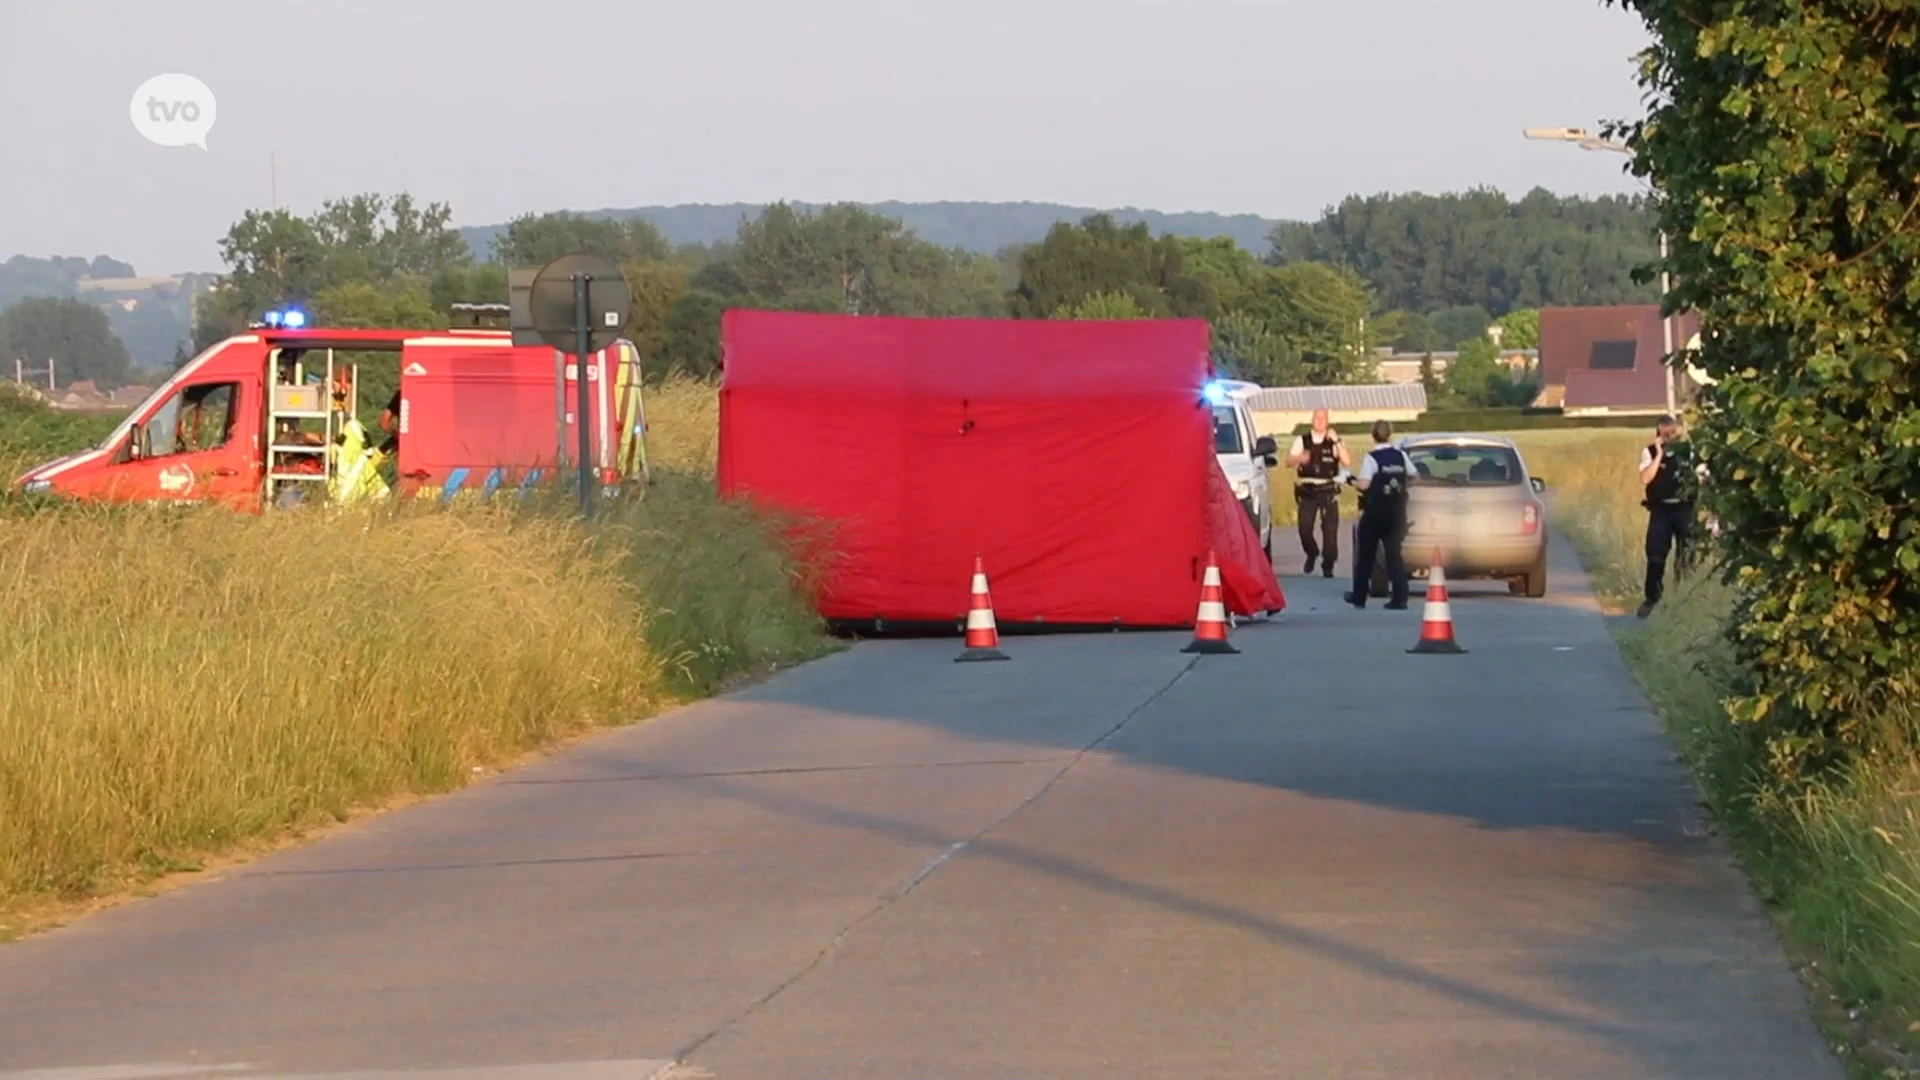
(584, 419)
(1666, 326)
(583, 316)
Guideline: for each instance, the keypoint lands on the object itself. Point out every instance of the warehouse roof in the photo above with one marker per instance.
(1342, 398)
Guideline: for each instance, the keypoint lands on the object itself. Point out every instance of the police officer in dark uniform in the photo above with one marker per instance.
(1383, 479)
(1318, 457)
(1668, 474)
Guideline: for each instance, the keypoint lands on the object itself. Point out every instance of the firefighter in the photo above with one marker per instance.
(356, 475)
(1319, 457)
(1668, 476)
(1383, 479)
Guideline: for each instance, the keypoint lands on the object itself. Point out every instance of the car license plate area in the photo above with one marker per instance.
(1429, 519)
(1463, 522)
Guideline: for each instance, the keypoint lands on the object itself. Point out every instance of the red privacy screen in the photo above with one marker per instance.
(1074, 457)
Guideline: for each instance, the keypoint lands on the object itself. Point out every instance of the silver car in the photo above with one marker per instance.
(1473, 499)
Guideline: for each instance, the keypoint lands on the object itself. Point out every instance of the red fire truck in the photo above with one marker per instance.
(267, 418)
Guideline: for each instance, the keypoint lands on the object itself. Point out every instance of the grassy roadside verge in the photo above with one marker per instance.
(177, 687)
(1838, 865)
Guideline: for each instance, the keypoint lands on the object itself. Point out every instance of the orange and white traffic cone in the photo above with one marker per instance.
(1210, 625)
(1436, 618)
(983, 635)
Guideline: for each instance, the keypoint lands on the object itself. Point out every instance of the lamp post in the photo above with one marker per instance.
(1586, 140)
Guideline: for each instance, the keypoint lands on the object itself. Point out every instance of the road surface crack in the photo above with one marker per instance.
(933, 865)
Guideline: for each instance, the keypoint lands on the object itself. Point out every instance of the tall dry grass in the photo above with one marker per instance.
(1838, 860)
(177, 683)
(683, 425)
(1594, 496)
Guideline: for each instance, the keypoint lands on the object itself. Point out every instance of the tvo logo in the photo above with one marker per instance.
(173, 110)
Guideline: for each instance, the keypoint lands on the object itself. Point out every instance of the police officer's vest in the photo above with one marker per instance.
(1323, 461)
(1386, 493)
(1671, 483)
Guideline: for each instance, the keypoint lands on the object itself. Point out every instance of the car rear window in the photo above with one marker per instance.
(1465, 466)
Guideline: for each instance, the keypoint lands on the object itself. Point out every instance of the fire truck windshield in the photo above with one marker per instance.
(166, 388)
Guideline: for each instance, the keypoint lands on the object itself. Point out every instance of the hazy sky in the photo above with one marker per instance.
(1277, 107)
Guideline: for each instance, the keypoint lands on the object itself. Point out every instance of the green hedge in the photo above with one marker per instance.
(1784, 152)
(32, 432)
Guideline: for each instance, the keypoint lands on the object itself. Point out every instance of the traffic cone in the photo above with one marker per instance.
(1436, 617)
(983, 636)
(1210, 625)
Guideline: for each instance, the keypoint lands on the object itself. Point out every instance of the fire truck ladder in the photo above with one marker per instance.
(300, 398)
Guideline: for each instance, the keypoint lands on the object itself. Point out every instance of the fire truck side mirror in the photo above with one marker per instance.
(136, 442)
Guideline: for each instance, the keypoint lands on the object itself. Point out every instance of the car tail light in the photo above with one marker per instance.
(1530, 519)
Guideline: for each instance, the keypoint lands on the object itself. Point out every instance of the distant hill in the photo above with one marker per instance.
(152, 316)
(984, 227)
(23, 276)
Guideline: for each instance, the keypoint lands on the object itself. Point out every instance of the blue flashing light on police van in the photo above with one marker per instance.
(1215, 394)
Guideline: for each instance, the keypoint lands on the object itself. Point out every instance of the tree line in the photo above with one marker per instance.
(981, 227)
(368, 260)
(1313, 310)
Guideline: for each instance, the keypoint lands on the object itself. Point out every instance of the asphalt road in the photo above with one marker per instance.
(1322, 858)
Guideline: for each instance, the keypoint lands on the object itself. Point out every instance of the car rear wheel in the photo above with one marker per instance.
(1532, 584)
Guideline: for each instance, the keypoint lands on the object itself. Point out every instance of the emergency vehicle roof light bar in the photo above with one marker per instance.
(282, 319)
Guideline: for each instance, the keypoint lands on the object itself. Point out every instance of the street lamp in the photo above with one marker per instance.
(1586, 140)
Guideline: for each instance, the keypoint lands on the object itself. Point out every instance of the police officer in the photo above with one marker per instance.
(1668, 475)
(1318, 458)
(1383, 479)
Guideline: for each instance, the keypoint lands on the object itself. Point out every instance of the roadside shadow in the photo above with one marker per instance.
(1597, 1000)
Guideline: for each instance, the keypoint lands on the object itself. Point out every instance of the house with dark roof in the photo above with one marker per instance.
(126, 397)
(85, 395)
(1609, 359)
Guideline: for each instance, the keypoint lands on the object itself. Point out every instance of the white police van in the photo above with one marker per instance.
(1243, 454)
